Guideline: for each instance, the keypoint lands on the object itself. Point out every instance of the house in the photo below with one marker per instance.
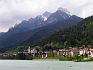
(74, 52)
(64, 52)
(90, 52)
(83, 51)
(33, 52)
(45, 54)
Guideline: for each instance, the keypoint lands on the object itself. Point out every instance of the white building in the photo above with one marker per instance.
(91, 53)
(29, 50)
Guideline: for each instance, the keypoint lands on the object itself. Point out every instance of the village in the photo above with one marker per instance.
(71, 52)
(64, 52)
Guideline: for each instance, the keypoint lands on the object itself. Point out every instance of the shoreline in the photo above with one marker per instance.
(45, 60)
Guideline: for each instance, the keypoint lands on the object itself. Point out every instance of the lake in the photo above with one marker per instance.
(44, 65)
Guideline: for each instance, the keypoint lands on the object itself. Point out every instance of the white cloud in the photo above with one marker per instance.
(14, 11)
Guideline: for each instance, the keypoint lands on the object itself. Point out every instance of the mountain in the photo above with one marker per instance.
(46, 31)
(2, 33)
(39, 21)
(42, 20)
(59, 15)
(76, 36)
(30, 24)
(39, 28)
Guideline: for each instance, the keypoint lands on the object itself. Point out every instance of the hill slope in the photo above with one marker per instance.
(76, 36)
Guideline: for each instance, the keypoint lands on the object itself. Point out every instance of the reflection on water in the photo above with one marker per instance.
(44, 65)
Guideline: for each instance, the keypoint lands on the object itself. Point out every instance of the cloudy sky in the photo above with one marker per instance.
(14, 11)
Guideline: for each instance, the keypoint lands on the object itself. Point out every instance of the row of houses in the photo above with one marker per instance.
(82, 51)
(77, 51)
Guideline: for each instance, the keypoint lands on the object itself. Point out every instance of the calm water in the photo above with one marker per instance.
(44, 65)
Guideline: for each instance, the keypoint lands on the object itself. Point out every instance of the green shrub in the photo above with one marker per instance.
(20, 56)
(29, 57)
(67, 58)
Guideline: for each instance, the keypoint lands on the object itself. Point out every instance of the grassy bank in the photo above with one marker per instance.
(76, 59)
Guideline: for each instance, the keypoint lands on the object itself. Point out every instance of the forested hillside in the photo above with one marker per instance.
(76, 36)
